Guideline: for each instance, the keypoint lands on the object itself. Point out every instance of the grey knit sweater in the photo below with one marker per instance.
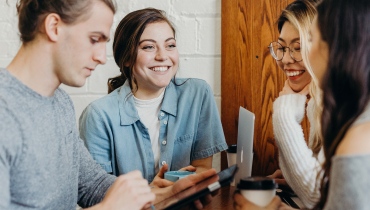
(43, 163)
(349, 178)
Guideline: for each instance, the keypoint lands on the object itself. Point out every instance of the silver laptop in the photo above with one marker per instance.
(244, 155)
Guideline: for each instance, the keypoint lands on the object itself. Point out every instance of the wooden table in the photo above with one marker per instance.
(222, 201)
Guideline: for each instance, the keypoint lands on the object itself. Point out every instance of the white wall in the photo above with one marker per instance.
(198, 25)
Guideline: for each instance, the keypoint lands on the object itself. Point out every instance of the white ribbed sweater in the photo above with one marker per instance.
(296, 160)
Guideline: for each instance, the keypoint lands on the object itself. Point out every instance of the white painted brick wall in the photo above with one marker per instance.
(198, 25)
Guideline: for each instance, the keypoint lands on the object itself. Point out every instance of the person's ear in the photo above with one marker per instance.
(51, 26)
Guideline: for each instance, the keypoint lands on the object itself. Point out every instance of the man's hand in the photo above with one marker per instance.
(129, 191)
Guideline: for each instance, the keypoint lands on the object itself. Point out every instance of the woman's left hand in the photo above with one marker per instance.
(188, 168)
(159, 180)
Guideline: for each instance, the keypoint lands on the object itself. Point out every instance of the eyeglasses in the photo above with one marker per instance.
(277, 51)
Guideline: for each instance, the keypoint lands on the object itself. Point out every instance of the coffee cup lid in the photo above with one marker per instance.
(257, 183)
(231, 149)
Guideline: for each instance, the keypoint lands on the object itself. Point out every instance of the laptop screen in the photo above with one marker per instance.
(244, 156)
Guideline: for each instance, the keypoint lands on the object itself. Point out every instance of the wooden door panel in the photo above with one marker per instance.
(249, 75)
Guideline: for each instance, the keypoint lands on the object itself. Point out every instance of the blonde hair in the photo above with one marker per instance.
(300, 14)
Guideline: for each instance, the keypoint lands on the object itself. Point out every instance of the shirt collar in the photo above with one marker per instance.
(127, 109)
(170, 99)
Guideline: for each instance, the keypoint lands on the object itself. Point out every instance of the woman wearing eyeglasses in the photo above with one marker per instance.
(299, 161)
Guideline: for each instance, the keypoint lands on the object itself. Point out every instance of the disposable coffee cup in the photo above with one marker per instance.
(231, 158)
(231, 155)
(258, 190)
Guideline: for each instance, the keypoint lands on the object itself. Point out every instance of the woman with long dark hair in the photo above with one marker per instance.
(340, 57)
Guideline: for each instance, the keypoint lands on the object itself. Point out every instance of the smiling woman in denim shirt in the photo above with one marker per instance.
(150, 118)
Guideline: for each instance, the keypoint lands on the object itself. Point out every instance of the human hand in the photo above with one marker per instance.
(185, 183)
(278, 177)
(191, 180)
(240, 203)
(288, 90)
(159, 180)
(129, 191)
(188, 168)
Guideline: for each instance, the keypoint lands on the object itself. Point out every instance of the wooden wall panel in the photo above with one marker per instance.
(249, 75)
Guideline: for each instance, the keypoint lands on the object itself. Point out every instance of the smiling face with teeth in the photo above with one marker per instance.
(298, 76)
(157, 60)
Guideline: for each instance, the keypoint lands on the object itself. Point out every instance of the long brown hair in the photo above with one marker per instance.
(126, 42)
(33, 12)
(343, 25)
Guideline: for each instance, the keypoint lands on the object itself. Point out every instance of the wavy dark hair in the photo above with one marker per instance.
(31, 13)
(126, 42)
(344, 26)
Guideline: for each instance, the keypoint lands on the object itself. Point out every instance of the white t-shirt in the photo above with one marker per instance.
(148, 112)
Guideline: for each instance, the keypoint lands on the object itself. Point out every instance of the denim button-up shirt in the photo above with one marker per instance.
(190, 129)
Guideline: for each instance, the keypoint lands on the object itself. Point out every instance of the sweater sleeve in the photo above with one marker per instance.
(93, 180)
(349, 183)
(10, 153)
(297, 163)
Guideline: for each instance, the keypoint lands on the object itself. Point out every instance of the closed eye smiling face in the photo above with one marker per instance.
(298, 76)
(157, 60)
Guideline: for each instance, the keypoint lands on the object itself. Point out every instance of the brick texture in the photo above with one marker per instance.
(198, 34)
